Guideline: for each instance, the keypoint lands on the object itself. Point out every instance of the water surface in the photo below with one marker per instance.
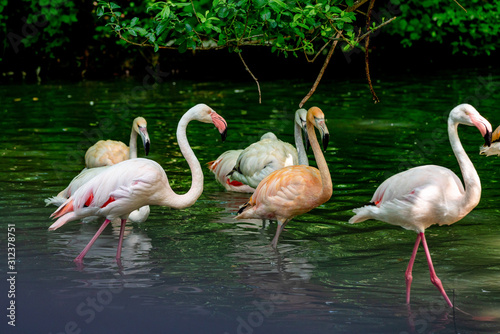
(198, 270)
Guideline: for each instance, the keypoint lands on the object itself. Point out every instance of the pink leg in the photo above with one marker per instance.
(408, 275)
(279, 229)
(122, 230)
(434, 279)
(79, 258)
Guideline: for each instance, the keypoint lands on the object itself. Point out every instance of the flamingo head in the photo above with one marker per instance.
(140, 126)
(316, 117)
(468, 115)
(205, 114)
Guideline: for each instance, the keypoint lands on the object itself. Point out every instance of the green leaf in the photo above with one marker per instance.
(132, 32)
(134, 21)
(265, 14)
(141, 31)
(152, 37)
(113, 5)
(160, 28)
(100, 12)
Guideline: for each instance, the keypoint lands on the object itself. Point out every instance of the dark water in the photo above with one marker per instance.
(198, 270)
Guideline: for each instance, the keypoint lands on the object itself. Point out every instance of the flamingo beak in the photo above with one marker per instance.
(220, 123)
(145, 138)
(325, 135)
(326, 140)
(487, 138)
(306, 139)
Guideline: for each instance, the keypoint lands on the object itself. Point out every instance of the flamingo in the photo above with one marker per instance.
(106, 153)
(242, 170)
(293, 190)
(422, 196)
(131, 184)
(494, 149)
(110, 152)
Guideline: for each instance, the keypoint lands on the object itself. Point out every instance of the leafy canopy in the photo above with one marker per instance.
(285, 26)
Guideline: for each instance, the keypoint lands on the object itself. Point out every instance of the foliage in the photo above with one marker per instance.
(53, 17)
(284, 26)
(474, 31)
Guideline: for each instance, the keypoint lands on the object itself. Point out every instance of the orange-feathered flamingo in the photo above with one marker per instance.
(131, 184)
(251, 165)
(422, 196)
(110, 152)
(294, 190)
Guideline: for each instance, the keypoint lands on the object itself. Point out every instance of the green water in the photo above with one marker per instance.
(198, 270)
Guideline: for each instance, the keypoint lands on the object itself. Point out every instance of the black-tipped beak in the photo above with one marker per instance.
(223, 135)
(326, 140)
(487, 138)
(307, 144)
(145, 138)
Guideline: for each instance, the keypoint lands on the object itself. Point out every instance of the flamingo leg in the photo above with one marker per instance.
(120, 240)
(434, 279)
(279, 229)
(408, 274)
(80, 257)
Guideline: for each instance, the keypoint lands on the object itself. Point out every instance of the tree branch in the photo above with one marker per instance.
(367, 43)
(253, 76)
(356, 5)
(321, 72)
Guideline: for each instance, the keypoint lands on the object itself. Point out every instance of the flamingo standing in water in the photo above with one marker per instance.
(422, 196)
(131, 184)
(269, 154)
(294, 190)
(110, 152)
(106, 153)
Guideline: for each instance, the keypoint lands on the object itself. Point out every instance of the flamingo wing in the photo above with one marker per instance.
(222, 166)
(116, 191)
(287, 192)
(261, 159)
(409, 184)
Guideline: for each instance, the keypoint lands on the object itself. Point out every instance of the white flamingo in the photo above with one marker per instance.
(110, 152)
(422, 196)
(131, 184)
(242, 170)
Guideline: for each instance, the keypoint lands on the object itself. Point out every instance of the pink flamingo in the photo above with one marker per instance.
(294, 190)
(106, 153)
(110, 152)
(131, 184)
(422, 196)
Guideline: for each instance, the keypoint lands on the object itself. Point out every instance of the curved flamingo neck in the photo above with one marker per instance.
(471, 178)
(299, 145)
(326, 180)
(132, 153)
(172, 199)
